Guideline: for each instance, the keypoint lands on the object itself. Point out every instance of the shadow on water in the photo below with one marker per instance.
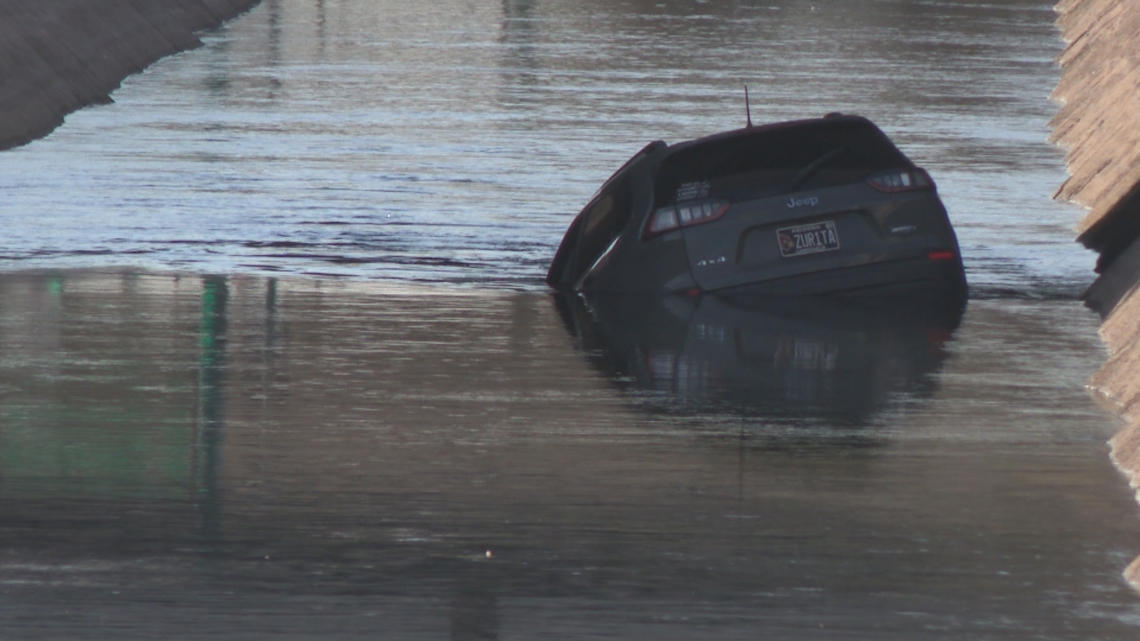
(231, 455)
(826, 362)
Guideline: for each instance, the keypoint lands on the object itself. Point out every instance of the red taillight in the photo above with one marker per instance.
(940, 255)
(901, 180)
(686, 215)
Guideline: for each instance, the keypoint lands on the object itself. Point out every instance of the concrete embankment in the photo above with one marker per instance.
(1099, 126)
(57, 56)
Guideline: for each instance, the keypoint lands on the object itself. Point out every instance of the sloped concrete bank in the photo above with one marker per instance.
(1099, 126)
(57, 56)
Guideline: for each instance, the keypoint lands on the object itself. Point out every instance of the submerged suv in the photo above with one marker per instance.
(804, 207)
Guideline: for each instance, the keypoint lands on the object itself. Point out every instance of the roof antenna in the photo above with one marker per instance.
(747, 107)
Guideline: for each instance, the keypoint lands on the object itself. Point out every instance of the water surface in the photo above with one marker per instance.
(226, 457)
(454, 141)
(284, 364)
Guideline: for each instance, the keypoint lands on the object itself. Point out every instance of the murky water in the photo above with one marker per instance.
(203, 456)
(431, 445)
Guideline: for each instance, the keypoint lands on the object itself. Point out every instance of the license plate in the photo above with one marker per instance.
(808, 239)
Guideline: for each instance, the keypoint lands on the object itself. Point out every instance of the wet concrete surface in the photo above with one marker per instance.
(242, 457)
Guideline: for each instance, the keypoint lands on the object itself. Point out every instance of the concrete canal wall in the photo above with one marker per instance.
(57, 56)
(1099, 126)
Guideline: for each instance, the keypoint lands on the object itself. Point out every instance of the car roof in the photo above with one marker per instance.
(790, 145)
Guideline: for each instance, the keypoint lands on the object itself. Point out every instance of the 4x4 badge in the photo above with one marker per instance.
(720, 260)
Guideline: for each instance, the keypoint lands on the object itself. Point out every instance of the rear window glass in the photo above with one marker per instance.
(775, 159)
(603, 221)
(592, 232)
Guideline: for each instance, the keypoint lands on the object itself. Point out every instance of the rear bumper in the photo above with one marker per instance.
(944, 277)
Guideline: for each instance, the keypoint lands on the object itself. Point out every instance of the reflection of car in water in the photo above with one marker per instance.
(804, 207)
(792, 357)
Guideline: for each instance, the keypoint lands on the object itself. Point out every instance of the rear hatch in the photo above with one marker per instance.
(793, 199)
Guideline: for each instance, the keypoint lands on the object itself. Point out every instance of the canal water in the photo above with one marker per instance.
(453, 142)
(276, 358)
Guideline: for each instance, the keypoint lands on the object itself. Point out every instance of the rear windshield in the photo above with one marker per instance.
(775, 159)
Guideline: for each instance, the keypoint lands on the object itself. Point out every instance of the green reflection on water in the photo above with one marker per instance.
(211, 378)
(55, 285)
(78, 449)
(84, 413)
